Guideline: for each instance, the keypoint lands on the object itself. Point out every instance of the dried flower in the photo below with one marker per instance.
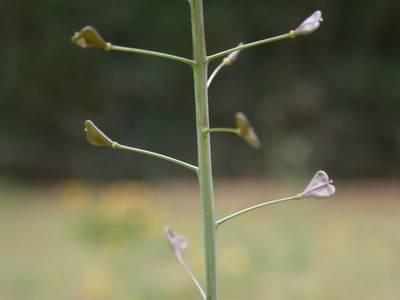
(320, 186)
(177, 242)
(310, 24)
(89, 37)
(245, 131)
(95, 136)
(231, 58)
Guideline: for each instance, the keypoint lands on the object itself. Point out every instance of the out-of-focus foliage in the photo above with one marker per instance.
(329, 100)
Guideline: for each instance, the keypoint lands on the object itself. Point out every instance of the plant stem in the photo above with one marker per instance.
(246, 210)
(217, 69)
(249, 45)
(203, 145)
(157, 155)
(222, 130)
(111, 47)
(193, 278)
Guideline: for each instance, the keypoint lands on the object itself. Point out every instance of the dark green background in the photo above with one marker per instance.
(329, 100)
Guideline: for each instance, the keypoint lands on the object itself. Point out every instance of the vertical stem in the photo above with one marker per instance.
(203, 145)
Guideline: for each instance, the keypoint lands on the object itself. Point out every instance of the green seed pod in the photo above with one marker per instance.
(246, 132)
(89, 37)
(95, 136)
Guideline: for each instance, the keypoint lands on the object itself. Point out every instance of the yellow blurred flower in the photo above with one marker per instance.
(96, 284)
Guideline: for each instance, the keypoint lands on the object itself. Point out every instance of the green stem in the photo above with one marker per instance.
(246, 210)
(111, 47)
(249, 45)
(193, 278)
(203, 145)
(217, 69)
(222, 130)
(157, 155)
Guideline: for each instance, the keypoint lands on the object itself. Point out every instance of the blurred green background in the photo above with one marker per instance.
(329, 100)
(87, 242)
(78, 222)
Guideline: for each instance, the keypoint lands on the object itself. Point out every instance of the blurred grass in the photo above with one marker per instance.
(80, 241)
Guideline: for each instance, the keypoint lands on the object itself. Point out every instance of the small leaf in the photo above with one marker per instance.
(310, 25)
(246, 132)
(89, 37)
(95, 136)
(320, 186)
(178, 243)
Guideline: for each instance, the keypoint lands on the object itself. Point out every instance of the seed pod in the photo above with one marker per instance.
(246, 132)
(309, 25)
(231, 58)
(178, 243)
(89, 37)
(320, 186)
(95, 136)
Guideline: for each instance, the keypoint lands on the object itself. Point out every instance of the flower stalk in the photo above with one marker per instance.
(281, 37)
(319, 187)
(111, 47)
(227, 61)
(98, 138)
(254, 207)
(179, 244)
(203, 147)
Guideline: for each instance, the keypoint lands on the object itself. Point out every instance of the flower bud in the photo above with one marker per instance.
(231, 58)
(246, 132)
(95, 136)
(310, 25)
(89, 37)
(320, 186)
(178, 243)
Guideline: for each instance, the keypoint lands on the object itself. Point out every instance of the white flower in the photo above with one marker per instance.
(310, 24)
(320, 186)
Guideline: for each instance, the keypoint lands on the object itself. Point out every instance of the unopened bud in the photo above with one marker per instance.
(89, 37)
(231, 58)
(320, 186)
(310, 25)
(246, 132)
(95, 136)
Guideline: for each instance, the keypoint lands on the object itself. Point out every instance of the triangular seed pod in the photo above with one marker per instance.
(95, 136)
(309, 25)
(246, 132)
(178, 243)
(320, 186)
(89, 37)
